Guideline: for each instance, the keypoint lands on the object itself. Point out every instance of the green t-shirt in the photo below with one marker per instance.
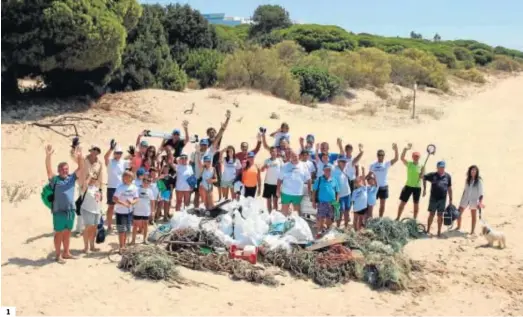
(413, 171)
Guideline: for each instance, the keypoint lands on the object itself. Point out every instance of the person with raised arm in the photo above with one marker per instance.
(116, 166)
(413, 184)
(293, 176)
(380, 168)
(352, 166)
(176, 142)
(63, 206)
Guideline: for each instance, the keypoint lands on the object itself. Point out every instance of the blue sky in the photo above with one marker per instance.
(497, 22)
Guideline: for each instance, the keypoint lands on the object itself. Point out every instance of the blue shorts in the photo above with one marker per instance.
(345, 203)
(166, 195)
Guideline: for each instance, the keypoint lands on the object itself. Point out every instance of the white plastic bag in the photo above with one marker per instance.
(301, 230)
(225, 224)
(279, 242)
(249, 231)
(183, 220)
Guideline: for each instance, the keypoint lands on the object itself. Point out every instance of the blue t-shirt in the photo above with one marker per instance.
(63, 193)
(332, 157)
(372, 192)
(327, 189)
(359, 198)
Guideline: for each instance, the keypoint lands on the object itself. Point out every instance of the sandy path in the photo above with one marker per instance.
(482, 129)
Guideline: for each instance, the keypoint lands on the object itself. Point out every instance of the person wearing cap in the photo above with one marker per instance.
(203, 149)
(272, 166)
(140, 174)
(215, 138)
(63, 205)
(441, 186)
(293, 176)
(251, 177)
(231, 171)
(352, 166)
(380, 168)
(176, 142)
(340, 174)
(413, 185)
(283, 148)
(116, 166)
(244, 149)
(307, 143)
(306, 203)
(208, 178)
(325, 191)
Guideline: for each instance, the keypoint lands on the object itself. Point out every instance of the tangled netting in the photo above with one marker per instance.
(148, 261)
(207, 238)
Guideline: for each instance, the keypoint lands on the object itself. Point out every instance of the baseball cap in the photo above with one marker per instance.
(309, 137)
(183, 155)
(305, 151)
(118, 149)
(140, 171)
(176, 131)
(441, 164)
(204, 142)
(95, 148)
(207, 158)
(144, 144)
(327, 166)
(250, 154)
(342, 158)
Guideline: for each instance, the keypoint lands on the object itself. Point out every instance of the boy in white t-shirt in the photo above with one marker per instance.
(281, 133)
(90, 211)
(272, 167)
(143, 208)
(125, 197)
(380, 168)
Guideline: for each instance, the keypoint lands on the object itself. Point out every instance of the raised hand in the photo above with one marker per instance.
(317, 147)
(132, 150)
(78, 152)
(360, 147)
(76, 142)
(112, 145)
(228, 114)
(302, 139)
(339, 141)
(185, 124)
(394, 146)
(49, 150)
(409, 146)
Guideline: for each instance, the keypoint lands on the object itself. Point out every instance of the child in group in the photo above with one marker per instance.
(183, 190)
(321, 161)
(90, 212)
(140, 173)
(166, 184)
(360, 201)
(153, 174)
(372, 192)
(125, 197)
(143, 208)
(208, 178)
(281, 133)
(231, 170)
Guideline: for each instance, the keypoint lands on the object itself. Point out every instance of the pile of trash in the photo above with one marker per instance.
(243, 240)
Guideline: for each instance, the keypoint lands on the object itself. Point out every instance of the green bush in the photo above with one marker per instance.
(228, 39)
(202, 65)
(267, 18)
(174, 78)
(414, 65)
(289, 53)
(314, 37)
(472, 75)
(463, 54)
(317, 82)
(506, 64)
(375, 66)
(258, 68)
(482, 57)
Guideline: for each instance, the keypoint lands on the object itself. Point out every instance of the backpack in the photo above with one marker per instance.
(47, 194)
(100, 231)
(450, 214)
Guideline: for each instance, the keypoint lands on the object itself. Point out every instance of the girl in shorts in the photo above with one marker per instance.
(165, 185)
(183, 189)
(231, 170)
(143, 208)
(372, 192)
(125, 197)
(208, 178)
(360, 201)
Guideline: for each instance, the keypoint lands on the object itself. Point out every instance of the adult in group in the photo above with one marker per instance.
(306, 203)
(293, 176)
(472, 196)
(63, 207)
(231, 170)
(441, 186)
(343, 179)
(176, 142)
(116, 166)
(307, 143)
(93, 168)
(183, 190)
(325, 192)
(272, 167)
(413, 185)
(324, 150)
(244, 149)
(380, 168)
(213, 136)
(251, 177)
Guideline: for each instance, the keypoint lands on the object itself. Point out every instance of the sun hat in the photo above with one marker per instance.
(327, 166)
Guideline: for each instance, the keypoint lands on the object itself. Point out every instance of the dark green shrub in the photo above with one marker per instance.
(317, 82)
(202, 64)
(314, 37)
(482, 57)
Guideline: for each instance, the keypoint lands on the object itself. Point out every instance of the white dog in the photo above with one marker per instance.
(493, 236)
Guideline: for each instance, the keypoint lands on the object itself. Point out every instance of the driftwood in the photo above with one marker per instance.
(189, 111)
(61, 122)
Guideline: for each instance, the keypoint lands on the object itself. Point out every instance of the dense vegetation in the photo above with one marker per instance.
(95, 46)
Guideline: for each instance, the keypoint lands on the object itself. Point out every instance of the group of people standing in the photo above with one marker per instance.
(140, 185)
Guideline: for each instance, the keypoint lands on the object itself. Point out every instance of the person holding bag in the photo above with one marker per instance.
(325, 192)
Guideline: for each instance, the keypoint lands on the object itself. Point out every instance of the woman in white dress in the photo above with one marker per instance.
(472, 196)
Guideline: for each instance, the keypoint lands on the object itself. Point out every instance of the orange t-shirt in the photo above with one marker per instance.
(250, 177)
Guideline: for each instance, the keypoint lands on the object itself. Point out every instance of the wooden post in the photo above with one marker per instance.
(415, 88)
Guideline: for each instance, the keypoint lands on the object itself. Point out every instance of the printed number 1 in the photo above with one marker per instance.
(8, 311)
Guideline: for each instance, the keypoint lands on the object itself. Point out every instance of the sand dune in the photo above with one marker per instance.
(478, 126)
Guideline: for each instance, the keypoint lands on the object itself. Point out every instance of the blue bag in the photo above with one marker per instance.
(192, 181)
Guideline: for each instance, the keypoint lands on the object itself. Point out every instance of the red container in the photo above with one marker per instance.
(235, 253)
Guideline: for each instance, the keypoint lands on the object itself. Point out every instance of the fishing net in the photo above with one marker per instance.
(148, 261)
(388, 231)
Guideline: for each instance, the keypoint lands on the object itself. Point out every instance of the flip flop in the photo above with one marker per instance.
(59, 260)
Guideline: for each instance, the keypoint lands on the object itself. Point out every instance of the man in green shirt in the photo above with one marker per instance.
(413, 185)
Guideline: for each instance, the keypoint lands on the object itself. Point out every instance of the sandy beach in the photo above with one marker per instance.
(478, 125)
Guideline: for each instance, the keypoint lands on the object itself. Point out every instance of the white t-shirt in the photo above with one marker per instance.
(125, 193)
(115, 170)
(273, 170)
(183, 172)
(209, 152)
(92, 200)
(230, 169)
(143, 206)
(138, 182)
(350, 170)
(293, 178)
(156, 191)
(310, 165)
(343, 181)
(280, 135)
(381, 170)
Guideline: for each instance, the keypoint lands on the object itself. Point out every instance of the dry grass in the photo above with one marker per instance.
(369, 108)
(382, 93)
(340, 101)
(308, 100)
(274, 116)
(194, 84)
(405, 102)
(15, 193)
(214, 95)
(431, 112)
